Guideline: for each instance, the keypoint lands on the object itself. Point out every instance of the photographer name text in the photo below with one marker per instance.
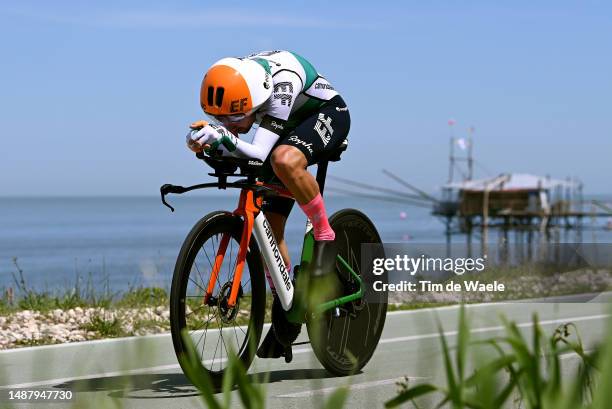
(450, 286)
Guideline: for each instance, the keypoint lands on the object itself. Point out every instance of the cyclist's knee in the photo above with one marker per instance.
(286, 160)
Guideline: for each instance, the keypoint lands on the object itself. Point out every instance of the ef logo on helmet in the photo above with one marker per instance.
(238, 105)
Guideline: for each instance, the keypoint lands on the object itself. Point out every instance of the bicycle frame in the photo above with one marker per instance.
(256, 224)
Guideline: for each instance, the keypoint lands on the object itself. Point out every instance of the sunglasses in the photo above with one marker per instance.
(224, 119)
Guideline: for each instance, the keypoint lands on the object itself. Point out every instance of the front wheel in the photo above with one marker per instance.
(345, 340)
(217, 331)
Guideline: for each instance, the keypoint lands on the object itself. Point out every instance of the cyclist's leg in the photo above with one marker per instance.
(289, 164)
(313, 140)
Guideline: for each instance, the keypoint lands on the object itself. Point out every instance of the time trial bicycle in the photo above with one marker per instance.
(219, 296)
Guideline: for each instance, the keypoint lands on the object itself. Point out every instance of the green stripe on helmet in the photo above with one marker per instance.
(264, 63)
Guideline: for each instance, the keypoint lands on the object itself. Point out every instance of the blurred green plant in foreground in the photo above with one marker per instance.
(252, 394)
(512, 370)
(518, 372)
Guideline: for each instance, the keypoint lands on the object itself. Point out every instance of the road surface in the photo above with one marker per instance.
(143, 372)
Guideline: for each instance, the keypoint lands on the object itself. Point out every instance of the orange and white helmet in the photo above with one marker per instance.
(234, 86)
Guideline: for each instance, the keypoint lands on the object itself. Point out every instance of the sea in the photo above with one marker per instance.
(118, 243)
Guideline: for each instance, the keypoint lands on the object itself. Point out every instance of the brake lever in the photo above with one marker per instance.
(168, 188)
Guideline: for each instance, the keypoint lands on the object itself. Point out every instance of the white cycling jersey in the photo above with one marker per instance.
(298, 91)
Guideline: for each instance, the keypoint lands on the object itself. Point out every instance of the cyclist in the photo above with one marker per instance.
(302, 120)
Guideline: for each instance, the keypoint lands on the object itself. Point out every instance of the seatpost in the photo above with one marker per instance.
(321, 175)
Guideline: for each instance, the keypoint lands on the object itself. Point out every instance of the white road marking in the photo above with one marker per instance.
(353, 387)
(496, 328)
(304, 350)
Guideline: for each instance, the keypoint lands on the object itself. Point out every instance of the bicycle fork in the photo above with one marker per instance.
(247, 208)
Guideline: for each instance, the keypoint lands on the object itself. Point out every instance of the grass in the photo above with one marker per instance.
(23, 297)
(44, 302)
(149, 324)
(106, 328)
(516, 371)
(143, 297)
(27, 298)
(82, 294)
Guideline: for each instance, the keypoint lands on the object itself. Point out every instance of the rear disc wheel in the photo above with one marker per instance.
(345, 342)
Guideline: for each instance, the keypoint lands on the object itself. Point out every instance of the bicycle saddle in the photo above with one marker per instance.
(335, 155)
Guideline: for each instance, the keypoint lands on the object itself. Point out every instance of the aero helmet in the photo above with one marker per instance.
(235, 86)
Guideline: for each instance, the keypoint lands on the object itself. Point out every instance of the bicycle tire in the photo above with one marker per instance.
(216, 223)
(345, 344)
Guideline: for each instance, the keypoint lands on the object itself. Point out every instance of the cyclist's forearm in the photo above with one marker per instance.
(248, 150)
(262, 144)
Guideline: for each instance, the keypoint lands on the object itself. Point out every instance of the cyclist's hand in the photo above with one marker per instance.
(211, 135)
(198, 124)
(193, 144)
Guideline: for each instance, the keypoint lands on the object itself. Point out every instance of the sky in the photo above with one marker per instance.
(97, 96)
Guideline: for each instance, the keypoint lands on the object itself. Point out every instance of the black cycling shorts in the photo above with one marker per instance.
(317, 137)
(322, 132)
(278, 204)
